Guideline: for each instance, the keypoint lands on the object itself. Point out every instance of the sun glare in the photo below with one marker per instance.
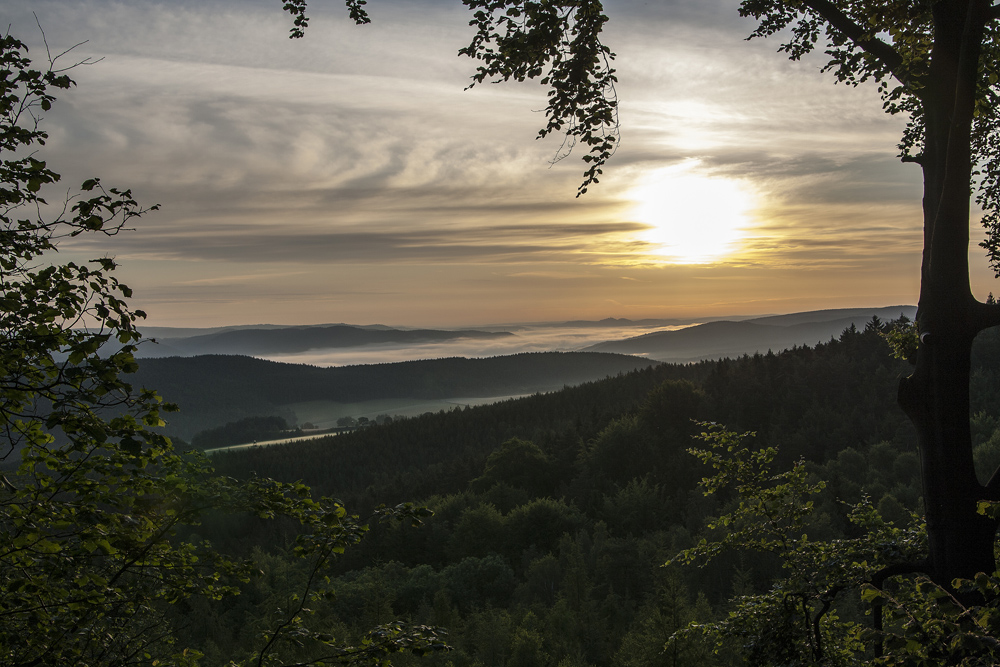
(692, 218)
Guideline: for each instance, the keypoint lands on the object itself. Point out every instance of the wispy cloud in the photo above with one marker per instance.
(349, 177)
(277, 244)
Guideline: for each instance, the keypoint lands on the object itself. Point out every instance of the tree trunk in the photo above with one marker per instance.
(936, 396)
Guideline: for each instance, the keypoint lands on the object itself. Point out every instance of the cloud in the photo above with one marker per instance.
(230, 279)
(350, 171)
(276, 244)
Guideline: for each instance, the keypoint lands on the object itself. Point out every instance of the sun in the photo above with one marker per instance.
(692, 218)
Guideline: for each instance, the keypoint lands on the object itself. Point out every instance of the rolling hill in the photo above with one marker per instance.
(262, 341)
(215, 389)
(716, 340)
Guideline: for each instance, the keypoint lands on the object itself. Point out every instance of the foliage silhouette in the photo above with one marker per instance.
(806, 616)
(96, 507)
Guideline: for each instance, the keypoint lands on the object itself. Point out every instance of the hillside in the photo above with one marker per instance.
(716, 340)
(262, 341)
(555, 513)
(215, 389)
(806, 400)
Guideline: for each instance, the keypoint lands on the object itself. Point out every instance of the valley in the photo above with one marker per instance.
(554, 513)
(215, 389)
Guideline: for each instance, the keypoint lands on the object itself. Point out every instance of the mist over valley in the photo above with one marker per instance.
(671, 340)
(320, 375)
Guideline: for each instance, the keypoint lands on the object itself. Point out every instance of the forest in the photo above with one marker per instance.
(555, 514)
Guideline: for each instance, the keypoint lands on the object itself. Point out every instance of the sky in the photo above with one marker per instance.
(350, 176)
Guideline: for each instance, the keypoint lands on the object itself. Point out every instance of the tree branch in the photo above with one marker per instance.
(993, 13)
(276, 634)
(878, 580)
(883, 52)
(816, 630)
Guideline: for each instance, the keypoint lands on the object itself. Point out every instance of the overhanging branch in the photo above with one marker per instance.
(884, 53)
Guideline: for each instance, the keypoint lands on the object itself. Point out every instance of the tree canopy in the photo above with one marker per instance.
(97, 510)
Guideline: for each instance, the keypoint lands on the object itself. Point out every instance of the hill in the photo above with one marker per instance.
(261, 341)
(806, 400)
(555, 513)
(213, 390)
(716, 340)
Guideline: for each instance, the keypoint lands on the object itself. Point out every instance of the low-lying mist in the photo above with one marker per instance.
(540, 338)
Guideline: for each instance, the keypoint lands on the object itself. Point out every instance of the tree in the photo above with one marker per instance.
(935, 61)
(810, 615)
(519, 463)
(96, 507)
(653, 639)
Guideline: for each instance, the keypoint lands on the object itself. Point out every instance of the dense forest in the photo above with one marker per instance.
(554, 514)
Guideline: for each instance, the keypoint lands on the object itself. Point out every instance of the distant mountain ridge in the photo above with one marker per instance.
(254, 341)
(187, 332)
(610, 322)
(715, 340)
(218, 388)
(687, 340)
(836, 315)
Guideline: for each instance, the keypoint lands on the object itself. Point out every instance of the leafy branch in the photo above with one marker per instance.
(796, 620)
(556, 42)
